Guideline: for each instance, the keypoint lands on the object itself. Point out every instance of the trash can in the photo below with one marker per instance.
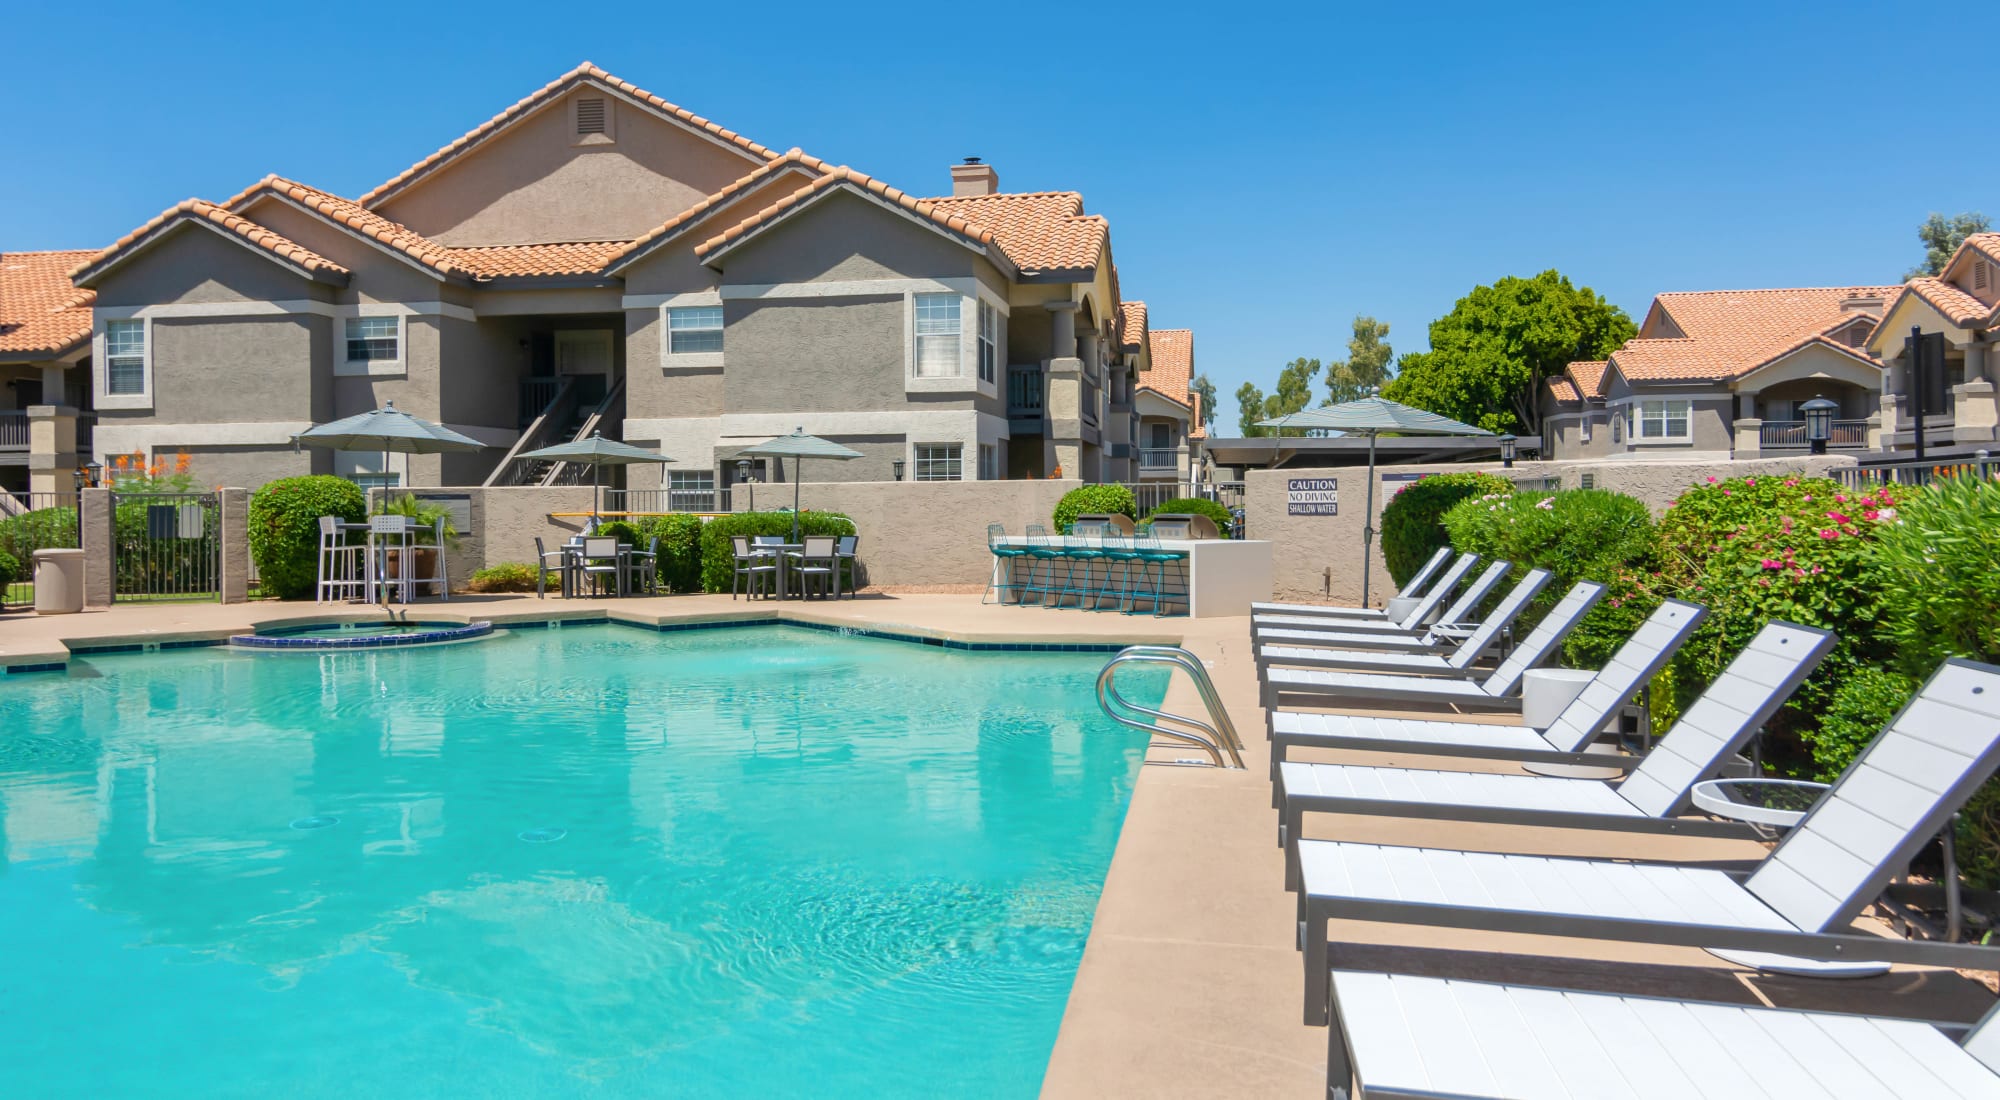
(58, 582)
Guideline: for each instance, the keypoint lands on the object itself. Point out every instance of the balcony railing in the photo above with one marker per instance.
(1024, 391)
(13, 430)
(1159, 458)
(1783, 435)
(667, 500)
(1090, 397)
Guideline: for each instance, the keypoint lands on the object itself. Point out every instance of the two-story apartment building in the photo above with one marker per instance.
(44, 339)
(596, 258)
(1170, 426)
(1963, 304)
(1723, 373)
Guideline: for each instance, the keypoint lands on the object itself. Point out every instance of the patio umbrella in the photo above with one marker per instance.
(598, 452)
(798, 446)
(1372, 416)
(387, 429)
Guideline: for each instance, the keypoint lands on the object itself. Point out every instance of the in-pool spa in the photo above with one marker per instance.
(592, 860)
(378, 634)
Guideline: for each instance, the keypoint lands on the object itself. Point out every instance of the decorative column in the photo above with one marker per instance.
(235, 545)
(98, 534)
(1976, 412)
(52, 457)
(1063, 393)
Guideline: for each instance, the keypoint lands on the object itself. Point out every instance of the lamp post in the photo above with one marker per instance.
(89, 476)
(1819, 423)
(1507, 451)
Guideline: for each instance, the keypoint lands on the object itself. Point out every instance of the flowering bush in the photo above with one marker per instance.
(1411, 527)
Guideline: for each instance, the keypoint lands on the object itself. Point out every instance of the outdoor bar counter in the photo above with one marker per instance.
(1220, 577)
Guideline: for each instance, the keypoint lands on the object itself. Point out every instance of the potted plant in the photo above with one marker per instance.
(424, 514)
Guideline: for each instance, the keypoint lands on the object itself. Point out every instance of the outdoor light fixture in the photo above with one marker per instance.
(89, 475)
(743, 469)
(1507, 451)
(1819, 423)
(898, 464)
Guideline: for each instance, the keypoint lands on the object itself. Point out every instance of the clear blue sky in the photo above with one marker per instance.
(1268, 172)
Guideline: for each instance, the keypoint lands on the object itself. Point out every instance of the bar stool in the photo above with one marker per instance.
(1085, 548)
(1119, 558)
(1151, 553)
(386, 534)
(1005, 557)
(1042, 552)
(342, 564)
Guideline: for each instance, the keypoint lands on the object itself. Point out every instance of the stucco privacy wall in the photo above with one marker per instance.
(1318, 558)
(500, 524)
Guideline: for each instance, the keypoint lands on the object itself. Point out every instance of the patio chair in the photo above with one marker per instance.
(598, 561)
(644, 568)
(754, 569)
(1799, 900)
(386, 535)
(1499, 690)
(1005, 555)
(1412, 590)
(1623, 676)
(1411, 623)
(1456, 621)
(343, 564)
(1397, 1035)
(552, 563)
(1413, 660)
(817, 565)
(844, 550)
(1649, 800)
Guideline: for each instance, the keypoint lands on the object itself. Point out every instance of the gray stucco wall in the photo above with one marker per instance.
(846, 237)
(250, 467)
(377, 275)
(801, 354)
(236, 369)
(193, 264)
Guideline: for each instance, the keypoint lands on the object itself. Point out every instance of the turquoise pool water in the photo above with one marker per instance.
(595, 861)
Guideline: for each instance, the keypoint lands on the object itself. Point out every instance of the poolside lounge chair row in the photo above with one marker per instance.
(1400, 1035)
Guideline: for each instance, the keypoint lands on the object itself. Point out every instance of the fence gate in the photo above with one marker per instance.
(31, 522)
(166, 546)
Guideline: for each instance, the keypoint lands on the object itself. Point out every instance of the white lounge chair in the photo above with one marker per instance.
(1400, 1036)
(1457, 663)
(1418, 615)
(1649, 800)
(1799, 901)
(1643, 655)
(1499, 690)
(1412, 589)
(1455, 620)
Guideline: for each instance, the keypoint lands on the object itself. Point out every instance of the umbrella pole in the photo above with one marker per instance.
(1368, 522)
(797, 461)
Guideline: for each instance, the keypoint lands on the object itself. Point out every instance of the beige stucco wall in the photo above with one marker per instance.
(378, 276)
(193, 264)
(535, 183)
(795, 354)
(249, 467)
(237, 369)
(1307, 547)
(847, 237)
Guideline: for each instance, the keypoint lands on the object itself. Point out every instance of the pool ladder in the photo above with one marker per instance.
(1215, 740)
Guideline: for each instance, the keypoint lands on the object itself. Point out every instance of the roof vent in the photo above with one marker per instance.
(973, 178)
(589, 116)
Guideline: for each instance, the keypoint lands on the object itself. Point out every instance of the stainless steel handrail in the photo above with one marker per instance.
(1220, 738)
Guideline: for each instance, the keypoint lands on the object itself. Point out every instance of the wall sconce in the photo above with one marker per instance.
(898, 465)
(1507, 451)
(1819, 423)
(89, 475)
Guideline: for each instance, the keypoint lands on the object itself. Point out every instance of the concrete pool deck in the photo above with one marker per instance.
(1189, 984)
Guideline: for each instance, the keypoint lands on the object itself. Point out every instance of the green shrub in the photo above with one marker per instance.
(623, 532)
(508, 576)
(718, 555)
(1197, 506)
(1411, 531)
(680, 550)
(1937, 557)
(40, 529)
(10, 572)
(1859, 708)
(284, 529)
(1094, 500)
(424, 513)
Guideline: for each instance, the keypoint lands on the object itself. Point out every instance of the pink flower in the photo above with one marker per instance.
(1786, 523)
(1729, 492)
(1772, 563)
(1749, 481)
(1840, 498)
(1871, 515)
(1764, 581)
(1791, 481)
(1711, 480)
(1838, 517)
(1828, 533)
(1808, 498)
(1819, 569)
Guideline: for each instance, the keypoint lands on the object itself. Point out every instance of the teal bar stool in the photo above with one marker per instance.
(1120, 556)
(1084, 549)
(1152, 554)
(1042, 552)
(1005, 558)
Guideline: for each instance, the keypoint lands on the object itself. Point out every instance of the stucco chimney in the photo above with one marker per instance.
(974, 177)
(1870, 304)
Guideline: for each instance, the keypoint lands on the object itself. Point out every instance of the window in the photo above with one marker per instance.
(371, 339)
(989, 462)
(125, 357)
(1660, 420)
(989, 342)
(691, 491)
(940, 461)
(937, 336)
(1584, 434)
(694, 329)
(378, 481)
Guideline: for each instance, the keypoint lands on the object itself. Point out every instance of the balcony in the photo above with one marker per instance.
(13, 430)
(1790, 435)
(1024, 393)
(1159, 459)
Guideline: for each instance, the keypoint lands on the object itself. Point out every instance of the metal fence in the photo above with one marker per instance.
(667, 500)
(166, 546)
(1913, 472)
(31, 522)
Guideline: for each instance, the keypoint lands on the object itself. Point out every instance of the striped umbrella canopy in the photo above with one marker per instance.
(598, 452)
(798, 446)
(387, 429)
(1372, 416)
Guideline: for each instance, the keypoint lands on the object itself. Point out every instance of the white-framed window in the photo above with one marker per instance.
(692, 330)
(691, 491)
(989, 462)
(989, 342)
(378, 481)
(1664, 418)
(938, 334)
(125, 357)
(940, 462)
(374, 339)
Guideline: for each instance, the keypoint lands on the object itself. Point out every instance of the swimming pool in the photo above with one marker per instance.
(589, 861)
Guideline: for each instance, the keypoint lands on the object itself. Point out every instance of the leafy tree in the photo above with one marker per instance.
(1205, 392)
(1366, 366)
(1249, 410)
(1942, 236)
(1490, 355)
(1294, 393)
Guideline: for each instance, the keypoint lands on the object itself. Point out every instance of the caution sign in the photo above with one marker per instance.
(1312, 496)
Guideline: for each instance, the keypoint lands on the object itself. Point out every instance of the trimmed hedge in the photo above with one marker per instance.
(1411, 527)
(1198, 506)
(1094, 500)
(10, 572)
(680, 550)
(284, 529)
(718, 556)
(40, 529)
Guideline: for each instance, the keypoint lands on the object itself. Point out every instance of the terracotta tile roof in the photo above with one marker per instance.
(1958, 307)
(1988, 243)
(40, 310)
(1564, 390)
(1729, 333)
(837, 177)
(299, 255)
(356, 217)
(672, 227)
(1132, 325)
(1588, 374)
(1040, 231)
(1172, 353)
(504, 260)
(585, 72)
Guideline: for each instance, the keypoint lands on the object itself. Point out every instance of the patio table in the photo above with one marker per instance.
(623, 574)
